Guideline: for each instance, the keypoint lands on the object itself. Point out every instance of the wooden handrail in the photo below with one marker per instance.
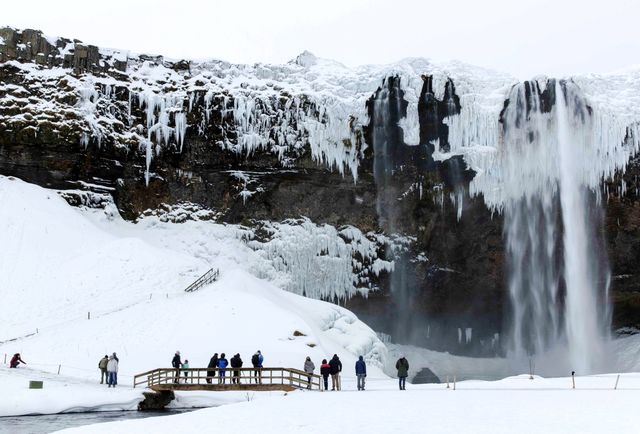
(172, 377)
(207, 278)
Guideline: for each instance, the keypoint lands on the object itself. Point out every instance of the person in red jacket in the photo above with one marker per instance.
(16, 360)
(325, 370)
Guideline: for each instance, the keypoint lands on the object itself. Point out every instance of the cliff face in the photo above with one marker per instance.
(367, 148)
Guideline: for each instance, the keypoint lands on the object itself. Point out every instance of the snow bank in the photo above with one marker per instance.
(57, 266)
(60, 394)
(515, 404)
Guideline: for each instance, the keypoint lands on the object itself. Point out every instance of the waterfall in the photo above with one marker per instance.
(388, 108)
(387, 143)
(557, 278)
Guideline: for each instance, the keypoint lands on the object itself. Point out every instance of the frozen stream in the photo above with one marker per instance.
(54, 422)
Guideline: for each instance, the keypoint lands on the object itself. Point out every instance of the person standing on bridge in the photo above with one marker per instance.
(222, 364)
(236, 362)
(112, 371)
(256, 361)
(176, 363)
(309, 367)
(361, 372)
(325, 371)
(102, 365)
(336, 368)
(402, 365)
(185, 365)
(213, 363)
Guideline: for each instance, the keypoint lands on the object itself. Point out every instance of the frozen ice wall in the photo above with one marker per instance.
(321, 261)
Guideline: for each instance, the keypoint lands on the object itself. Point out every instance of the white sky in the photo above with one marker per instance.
(521, 37)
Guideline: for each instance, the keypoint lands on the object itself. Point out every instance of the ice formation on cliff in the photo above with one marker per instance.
(323, 261)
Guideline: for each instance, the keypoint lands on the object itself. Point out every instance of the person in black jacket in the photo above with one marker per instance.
(335, 368)
(176, 363)
(236, 362)
(213, 363)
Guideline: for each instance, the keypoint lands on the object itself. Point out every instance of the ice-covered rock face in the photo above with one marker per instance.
(274, 142)
(310, 105)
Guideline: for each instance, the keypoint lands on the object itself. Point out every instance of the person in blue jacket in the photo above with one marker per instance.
(361, 372)
(222, 364)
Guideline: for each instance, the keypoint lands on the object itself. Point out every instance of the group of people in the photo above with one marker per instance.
(108, 366)
(220, 364)
(333, 368)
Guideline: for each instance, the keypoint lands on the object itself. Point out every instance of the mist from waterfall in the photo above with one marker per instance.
(558, 277)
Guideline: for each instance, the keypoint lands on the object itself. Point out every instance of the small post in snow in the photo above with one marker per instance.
(530, 368)
(447, 382)
(617, 379)
(454, 382)
(59, 369)
(88, 315)
(150, 295)
(573, 379)
(36, 330)
(5, 358)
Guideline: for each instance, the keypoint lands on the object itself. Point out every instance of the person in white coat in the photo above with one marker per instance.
(112, 371)
(309, 367)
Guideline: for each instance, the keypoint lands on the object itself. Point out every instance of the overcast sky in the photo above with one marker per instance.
(521, 37)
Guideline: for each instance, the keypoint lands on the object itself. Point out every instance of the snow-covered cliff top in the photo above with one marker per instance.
(307, 103)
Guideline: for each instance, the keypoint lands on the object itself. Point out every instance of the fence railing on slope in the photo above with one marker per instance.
(252, 377)
(207, 278)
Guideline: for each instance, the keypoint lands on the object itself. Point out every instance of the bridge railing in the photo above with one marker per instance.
(207, 278)
(212, 377)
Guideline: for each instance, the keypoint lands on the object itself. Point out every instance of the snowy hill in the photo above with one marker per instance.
(59, 264)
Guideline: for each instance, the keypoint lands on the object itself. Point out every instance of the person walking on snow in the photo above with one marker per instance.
(256, 361)
(325, 371)
(361, 372)
(16, 360)
(112, 371)
(309, 367)
(222, 364)
(336, 368)
(236, 362)
(102, 365)
(176, 363)
(402, 365)
(213, 363)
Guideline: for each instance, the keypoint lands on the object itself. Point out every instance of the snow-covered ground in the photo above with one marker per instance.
(70, 394)
(512, 405)
(60, 265)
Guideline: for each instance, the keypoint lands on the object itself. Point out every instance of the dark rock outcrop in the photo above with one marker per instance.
(154, 401)
(425, 376)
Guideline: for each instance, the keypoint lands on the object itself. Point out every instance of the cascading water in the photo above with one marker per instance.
(388, 107)
(557, 279)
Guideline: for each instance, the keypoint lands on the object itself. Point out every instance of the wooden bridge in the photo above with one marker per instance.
(287, 379)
